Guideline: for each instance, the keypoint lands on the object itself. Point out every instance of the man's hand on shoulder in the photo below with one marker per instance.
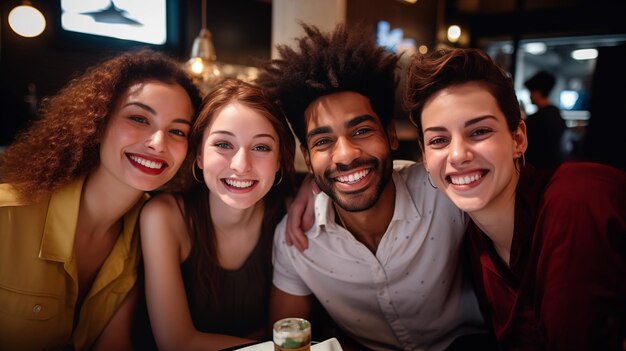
(300, 214)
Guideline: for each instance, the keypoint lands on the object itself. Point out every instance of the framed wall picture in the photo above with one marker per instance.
(140, 21)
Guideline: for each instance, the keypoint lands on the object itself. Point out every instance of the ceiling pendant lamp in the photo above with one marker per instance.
(202, 64)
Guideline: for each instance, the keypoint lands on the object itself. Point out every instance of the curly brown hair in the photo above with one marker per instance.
(63, 145)
(343, 60)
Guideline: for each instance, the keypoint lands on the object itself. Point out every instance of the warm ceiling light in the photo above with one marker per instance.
(454, 33)
(26, 20)
(202, 64)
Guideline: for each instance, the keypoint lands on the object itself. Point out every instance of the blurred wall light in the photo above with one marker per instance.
(537, 48)
(26, 20)
(584, 54)
(568, 99)
(454, 33)
(393, 40)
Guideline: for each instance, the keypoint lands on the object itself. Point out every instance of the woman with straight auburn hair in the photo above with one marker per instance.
(207, 250)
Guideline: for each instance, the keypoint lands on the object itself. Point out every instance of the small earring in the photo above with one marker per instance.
(430, 181)
(193, 171)
(281, 177)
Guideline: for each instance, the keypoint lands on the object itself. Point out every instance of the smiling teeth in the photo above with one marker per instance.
(354, 177)
(147, 163)
(465, 180)
(239, 183)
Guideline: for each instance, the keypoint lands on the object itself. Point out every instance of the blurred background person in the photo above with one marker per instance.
(546, 126)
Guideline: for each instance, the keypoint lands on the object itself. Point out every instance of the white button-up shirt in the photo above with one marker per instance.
(411, 295)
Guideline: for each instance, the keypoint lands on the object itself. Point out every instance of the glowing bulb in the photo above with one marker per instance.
(454, 33)
(197, 66)
(27, 21)
(423, 49)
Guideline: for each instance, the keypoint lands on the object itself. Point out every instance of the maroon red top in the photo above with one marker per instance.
(566, 285)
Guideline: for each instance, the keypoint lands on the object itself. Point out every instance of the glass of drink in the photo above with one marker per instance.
(292, 334)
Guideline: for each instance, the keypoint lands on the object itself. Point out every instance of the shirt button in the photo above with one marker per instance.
(37, 308)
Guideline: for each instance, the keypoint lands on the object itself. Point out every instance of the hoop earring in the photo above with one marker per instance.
(193, 171)
(430, 181)
(281, 177)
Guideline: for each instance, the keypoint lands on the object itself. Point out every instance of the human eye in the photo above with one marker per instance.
(362, 131)
(437, 142)
(481, 132)
(222, 145)
(178, 132)
(138, 119)
(262, 147)
(321, 142)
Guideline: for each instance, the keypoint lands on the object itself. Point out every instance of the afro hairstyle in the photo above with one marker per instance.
(327, 63)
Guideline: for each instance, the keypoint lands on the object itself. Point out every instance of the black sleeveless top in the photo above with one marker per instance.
(243, 300)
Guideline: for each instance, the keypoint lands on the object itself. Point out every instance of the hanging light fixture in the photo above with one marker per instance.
(26, 20)
(202, 64)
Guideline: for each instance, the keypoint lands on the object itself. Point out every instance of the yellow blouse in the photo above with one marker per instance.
(38, 278)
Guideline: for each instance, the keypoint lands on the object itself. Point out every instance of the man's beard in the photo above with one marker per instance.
(362, 199)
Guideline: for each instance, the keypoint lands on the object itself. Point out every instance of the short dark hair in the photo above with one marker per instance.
(342, 60)
(435, 71)
(542, 81)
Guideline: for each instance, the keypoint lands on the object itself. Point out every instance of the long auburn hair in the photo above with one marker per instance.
(65, 142)
(202, 259)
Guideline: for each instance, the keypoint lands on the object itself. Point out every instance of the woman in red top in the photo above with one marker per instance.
(548, 254)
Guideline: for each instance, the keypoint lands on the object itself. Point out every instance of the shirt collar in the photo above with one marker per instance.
(405, 209)
(60, 227)
(57, 243)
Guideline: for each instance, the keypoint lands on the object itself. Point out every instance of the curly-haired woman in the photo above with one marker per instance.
(73, 185)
